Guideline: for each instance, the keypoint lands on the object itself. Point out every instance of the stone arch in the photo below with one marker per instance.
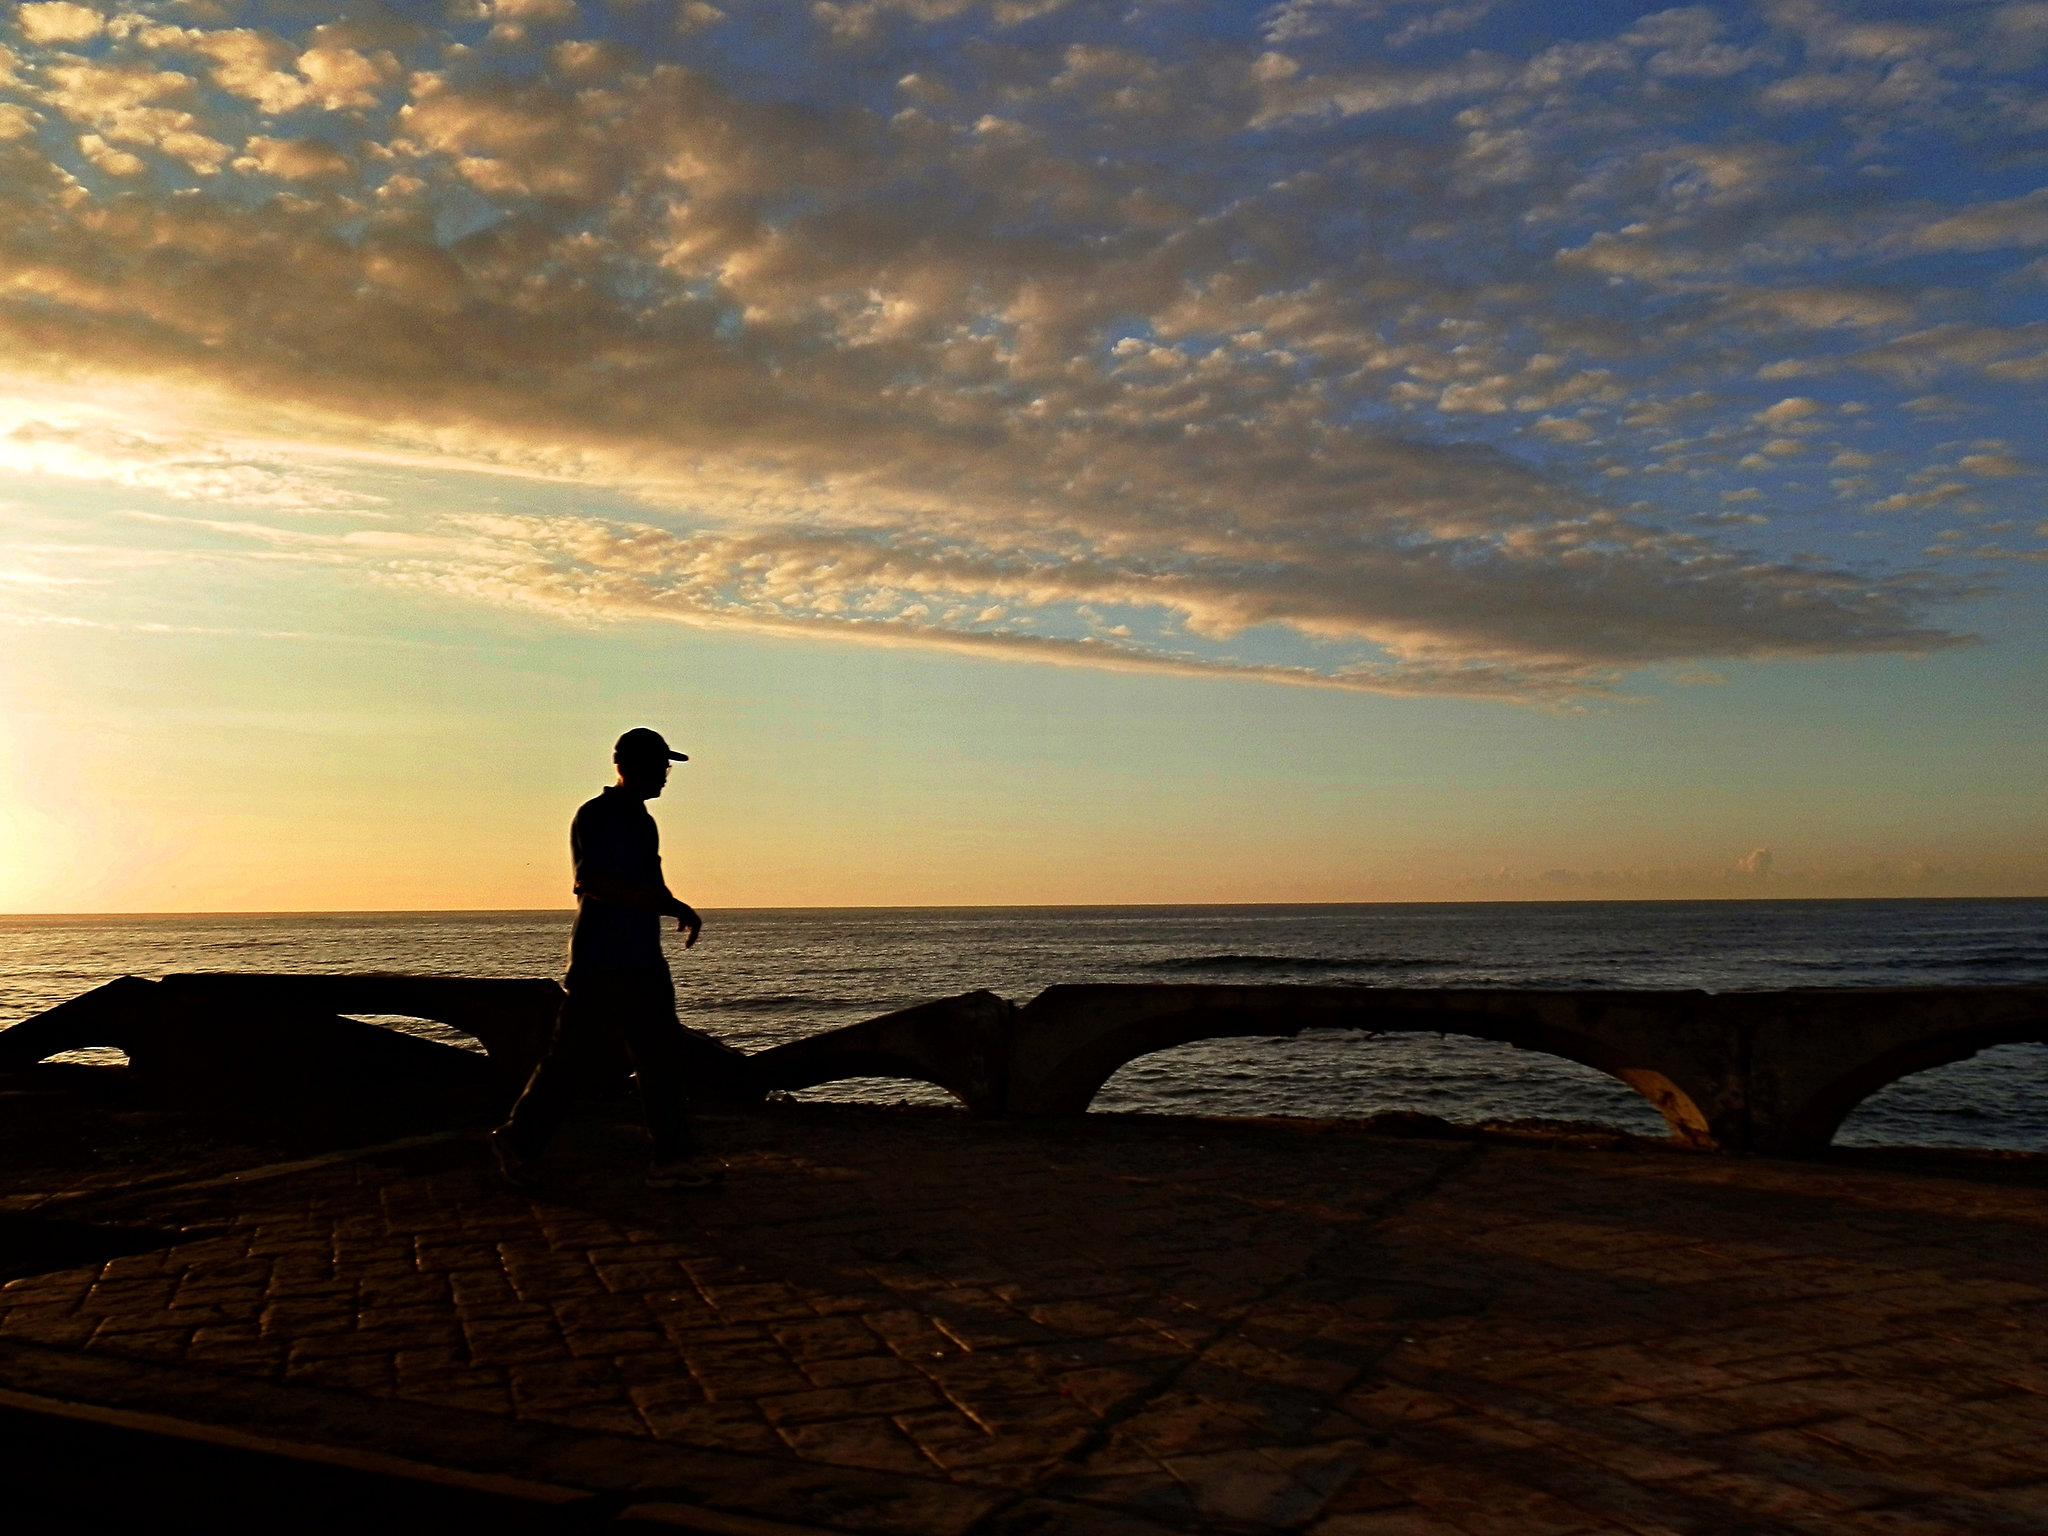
(1069, 1041)
(960, 1044)
(1050, 1058)
(253, 1046)
(1813, 1124)
(105, 1018)
(510, 1017)
(1774, 1072)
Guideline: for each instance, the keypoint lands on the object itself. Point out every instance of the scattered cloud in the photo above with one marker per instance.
(1793, 408)
(1921, 501)
(1564, 429)
(184, 468)
(59, 21)
(294, 160)
(2017, 221)
(1996, 466)
(1025, 327)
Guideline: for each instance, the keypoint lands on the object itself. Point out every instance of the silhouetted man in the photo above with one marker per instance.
(618, 984)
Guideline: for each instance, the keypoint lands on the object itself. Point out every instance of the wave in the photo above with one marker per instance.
(1988, 960)
(1292, 963)
(781, 1004)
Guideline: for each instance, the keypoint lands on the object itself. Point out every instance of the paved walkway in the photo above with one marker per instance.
(908, 1322)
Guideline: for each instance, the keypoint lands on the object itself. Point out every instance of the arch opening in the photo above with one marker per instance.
(422, 1028)
(1343, 1073)
(878, 1089)
(1813, 1124)
(87, 1056)
(1994, 1098)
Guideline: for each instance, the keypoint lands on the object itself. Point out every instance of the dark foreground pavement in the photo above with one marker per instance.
(919, 1323)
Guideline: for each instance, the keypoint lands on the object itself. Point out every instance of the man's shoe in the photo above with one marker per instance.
(514, 1166)
(686, 1173)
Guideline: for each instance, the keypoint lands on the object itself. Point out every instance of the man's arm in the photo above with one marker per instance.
(646, 895)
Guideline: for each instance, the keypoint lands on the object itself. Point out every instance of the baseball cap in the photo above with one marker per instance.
(643, 743)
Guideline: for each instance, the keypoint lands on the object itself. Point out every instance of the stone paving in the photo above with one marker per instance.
(917, 1322)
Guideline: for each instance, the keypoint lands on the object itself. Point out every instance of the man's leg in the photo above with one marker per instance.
(563, 1070)
(654, 1036)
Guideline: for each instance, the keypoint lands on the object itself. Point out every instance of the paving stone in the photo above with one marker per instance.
(875, 1443)
(1129, 1325)
(1389, 1522)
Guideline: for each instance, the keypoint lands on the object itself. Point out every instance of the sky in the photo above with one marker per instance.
(1025, 452)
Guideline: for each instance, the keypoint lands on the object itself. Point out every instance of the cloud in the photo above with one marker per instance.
(1919, 357)
(136, 104)
(294, 160)
(346, 79)
(2019, 32)
(183, 469)
(1792, 408)
(1688, 42)
(1287, 92)
(2019, 370)
(59, 21)
(1935, 407)
(247, 63)
(1921, 501)
(1169, 350)
(115, 162)
(1439, 21)
(1822, 308)
(873, 585)
(2019, 221)
(1996, 466)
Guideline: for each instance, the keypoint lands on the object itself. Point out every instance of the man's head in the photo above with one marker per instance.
(643, 758)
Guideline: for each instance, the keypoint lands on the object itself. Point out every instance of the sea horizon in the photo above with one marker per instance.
(1064, 906)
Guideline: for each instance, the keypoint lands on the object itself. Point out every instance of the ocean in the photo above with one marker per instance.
(761, 977)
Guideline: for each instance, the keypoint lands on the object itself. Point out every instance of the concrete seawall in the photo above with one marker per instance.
(1760, 1072)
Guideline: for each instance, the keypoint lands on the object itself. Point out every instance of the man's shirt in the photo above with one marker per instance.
(614, 836)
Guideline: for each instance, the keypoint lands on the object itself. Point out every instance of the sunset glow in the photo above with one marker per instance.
(1023, 452)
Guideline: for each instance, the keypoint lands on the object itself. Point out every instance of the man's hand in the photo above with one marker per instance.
(687, 921)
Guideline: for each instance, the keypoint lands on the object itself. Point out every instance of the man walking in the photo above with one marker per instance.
(618, 985)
